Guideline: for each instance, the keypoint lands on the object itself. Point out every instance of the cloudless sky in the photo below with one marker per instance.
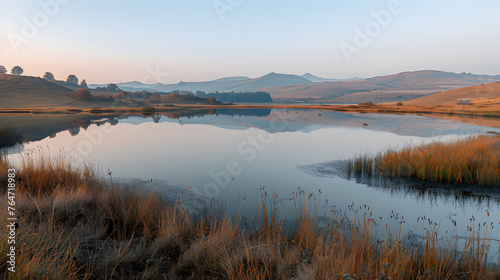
(172, 40)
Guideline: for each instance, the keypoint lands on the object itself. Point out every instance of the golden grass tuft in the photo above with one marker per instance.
(474, 160)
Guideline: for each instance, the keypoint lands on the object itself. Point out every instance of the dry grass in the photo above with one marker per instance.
(82, 229)
(473, 161)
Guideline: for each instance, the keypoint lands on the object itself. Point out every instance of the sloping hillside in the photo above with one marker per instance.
(70, 86)
(432, 78)
(30, 92)
(25, 91)
(481, 95)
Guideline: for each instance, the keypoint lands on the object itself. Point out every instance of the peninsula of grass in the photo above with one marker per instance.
(73, 226)
(474, 160)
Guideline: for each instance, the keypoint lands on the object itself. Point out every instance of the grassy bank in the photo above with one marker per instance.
(71, 226)
(472, 161)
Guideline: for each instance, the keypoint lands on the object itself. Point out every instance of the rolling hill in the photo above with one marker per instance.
(29, 92)
(480, 95)
(398, 87)
(316, 79)
(228, 84)
(236, 84)
(25, 91)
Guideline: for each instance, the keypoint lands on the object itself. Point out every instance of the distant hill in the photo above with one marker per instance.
(398, 87)
(216, 85)
(486, 93)
(271, 79)
(316, 79)
(229, 84)
(432, 78)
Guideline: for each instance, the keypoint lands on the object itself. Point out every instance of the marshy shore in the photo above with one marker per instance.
(474, 160)
(72, 225)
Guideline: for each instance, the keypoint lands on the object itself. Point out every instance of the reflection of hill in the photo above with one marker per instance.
(39, 126)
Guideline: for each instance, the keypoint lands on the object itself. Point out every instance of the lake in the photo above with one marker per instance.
(230, 155)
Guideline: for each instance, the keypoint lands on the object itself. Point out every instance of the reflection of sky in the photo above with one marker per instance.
(185, 154)
(310, 120)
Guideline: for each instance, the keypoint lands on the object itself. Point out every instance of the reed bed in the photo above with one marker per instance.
(474, 160)
(9, 136)
(84, 229)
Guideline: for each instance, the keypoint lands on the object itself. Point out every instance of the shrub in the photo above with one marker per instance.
(81, 94)
(399, 103)
(366, 103)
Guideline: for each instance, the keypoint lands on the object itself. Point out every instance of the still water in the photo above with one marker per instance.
(231, 154)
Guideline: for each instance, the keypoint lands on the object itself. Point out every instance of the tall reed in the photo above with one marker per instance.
(474, 160)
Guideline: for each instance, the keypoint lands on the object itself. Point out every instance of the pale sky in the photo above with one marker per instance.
(191, 40)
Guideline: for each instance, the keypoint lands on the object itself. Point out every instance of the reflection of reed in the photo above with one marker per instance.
(462, 195)
(418, 190)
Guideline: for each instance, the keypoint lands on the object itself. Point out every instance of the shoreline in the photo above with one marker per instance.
(471, 115)
(437, 110)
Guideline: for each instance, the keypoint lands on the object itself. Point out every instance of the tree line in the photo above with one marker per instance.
(258, 96)
(72, 79)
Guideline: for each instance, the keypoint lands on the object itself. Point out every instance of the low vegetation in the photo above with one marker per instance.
(72, 226)
(81, 94)
(473, 161)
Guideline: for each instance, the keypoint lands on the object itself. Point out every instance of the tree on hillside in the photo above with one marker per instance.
(84, 84)
(17, 70)
(72, 79)
(3, 70)
(49, 76)
(81, 94)
(112, 87)
(156, 97)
